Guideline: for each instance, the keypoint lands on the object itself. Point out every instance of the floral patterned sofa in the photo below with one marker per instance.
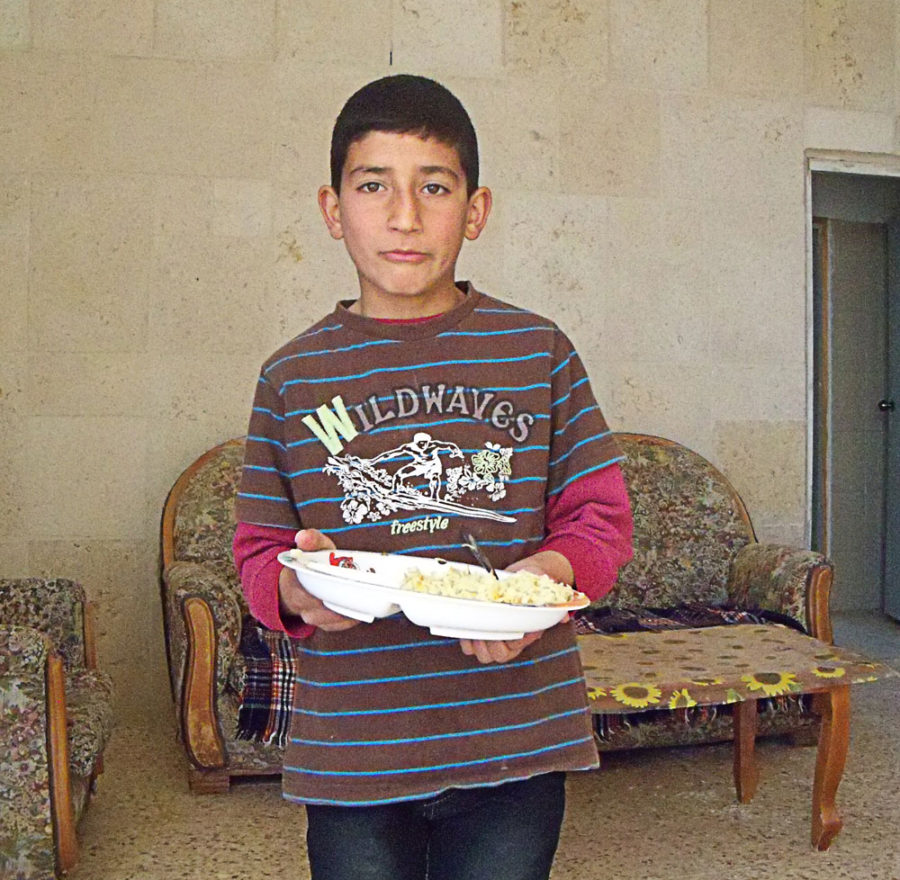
(56, 708)
(694, 545)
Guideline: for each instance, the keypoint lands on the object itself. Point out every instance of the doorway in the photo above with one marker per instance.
(855, 474)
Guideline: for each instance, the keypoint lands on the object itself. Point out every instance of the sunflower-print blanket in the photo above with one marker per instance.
(719, 665)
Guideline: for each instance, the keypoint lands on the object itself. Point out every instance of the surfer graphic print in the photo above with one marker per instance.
(399, 437)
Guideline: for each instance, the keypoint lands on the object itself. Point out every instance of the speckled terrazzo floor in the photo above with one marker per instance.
(646, 815)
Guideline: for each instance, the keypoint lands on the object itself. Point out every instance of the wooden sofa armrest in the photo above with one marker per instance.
(199, 718)
(786, 580)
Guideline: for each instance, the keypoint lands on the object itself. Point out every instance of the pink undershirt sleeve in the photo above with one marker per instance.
(256, 549)
(590, 523)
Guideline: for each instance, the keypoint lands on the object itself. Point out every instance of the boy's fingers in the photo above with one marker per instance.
(313, 539)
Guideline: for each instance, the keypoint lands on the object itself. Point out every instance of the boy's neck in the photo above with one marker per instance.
(407, 308)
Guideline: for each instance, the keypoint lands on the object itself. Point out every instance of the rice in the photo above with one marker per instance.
(519, 588)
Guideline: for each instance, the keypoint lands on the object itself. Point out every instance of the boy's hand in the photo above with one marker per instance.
(491, 651)
(547, 562)
(297, 602)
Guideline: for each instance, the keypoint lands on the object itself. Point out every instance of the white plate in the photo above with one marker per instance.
(371, 591)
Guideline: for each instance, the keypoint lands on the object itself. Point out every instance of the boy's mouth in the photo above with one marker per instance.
(403, 256)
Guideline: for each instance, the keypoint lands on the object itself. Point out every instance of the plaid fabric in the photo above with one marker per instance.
(614, 620)
(268, 693)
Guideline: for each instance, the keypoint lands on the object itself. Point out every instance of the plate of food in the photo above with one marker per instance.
(451, 599)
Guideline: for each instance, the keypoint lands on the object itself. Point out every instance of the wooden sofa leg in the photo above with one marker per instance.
(60, 780)
(208, 781)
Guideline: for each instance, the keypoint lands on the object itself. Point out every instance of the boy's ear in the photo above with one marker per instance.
(330, 206)
(479, 209)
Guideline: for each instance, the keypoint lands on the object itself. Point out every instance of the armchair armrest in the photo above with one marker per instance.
(786, 580)
(36, 814)
(205, 632)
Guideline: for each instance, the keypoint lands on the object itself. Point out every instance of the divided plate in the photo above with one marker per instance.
(371, 590)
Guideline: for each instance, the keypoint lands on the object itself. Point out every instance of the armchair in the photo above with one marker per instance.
(57, 719)
(206, 619)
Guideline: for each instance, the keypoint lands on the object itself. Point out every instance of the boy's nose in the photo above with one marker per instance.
(404, 213)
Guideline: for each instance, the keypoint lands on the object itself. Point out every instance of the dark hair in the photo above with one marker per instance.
(405, 104)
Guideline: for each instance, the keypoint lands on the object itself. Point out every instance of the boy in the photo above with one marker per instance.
(417, 412)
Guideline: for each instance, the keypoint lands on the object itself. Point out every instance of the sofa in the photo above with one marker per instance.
(57, 716)
(694, 547)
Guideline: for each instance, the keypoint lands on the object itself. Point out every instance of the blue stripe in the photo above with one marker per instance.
(413, 797)
(408, 367)
(493, 332)
(268, 412)
(590, 439)
(447, 705)
(428, 675)
(568, 394)
(256, 439)
(344, 652)
(437, 736)
(330, 351)
(583, 473)
(563, 364)
(263, 497)
(575, 418)
(449, 766)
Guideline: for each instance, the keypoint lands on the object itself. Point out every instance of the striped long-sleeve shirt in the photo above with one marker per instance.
(399, 438)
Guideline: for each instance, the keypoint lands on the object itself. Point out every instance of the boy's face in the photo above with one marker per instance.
(403, 213)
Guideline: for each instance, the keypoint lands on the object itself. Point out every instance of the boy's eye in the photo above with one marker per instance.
(370, 186)
(434, 189)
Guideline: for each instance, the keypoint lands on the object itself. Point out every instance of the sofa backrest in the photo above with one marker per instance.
(52, 606)
(689, 521)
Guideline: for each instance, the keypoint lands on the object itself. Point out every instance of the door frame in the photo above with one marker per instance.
(818, 459)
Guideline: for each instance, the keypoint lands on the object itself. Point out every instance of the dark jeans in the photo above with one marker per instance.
(503, 832)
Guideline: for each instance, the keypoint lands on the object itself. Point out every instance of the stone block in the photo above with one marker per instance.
(518, 123)
(766, 462)
(758, 49)
(15, 24)
(47, 126)
(659, 45)
(14, 323)
(90, 263)
(223, 29)
(168, 117)
(732, 149)
(84, 477)
(89, 383)
(612, 145)
(554, 244)
(568, 36)
(827, 128)
(849, 54)
(352, 33)
(242, 208)
(434, 36)
(106, 27)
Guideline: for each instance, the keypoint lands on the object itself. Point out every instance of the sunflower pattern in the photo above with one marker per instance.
(772, 684)
(636, 695)
(713, 666)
